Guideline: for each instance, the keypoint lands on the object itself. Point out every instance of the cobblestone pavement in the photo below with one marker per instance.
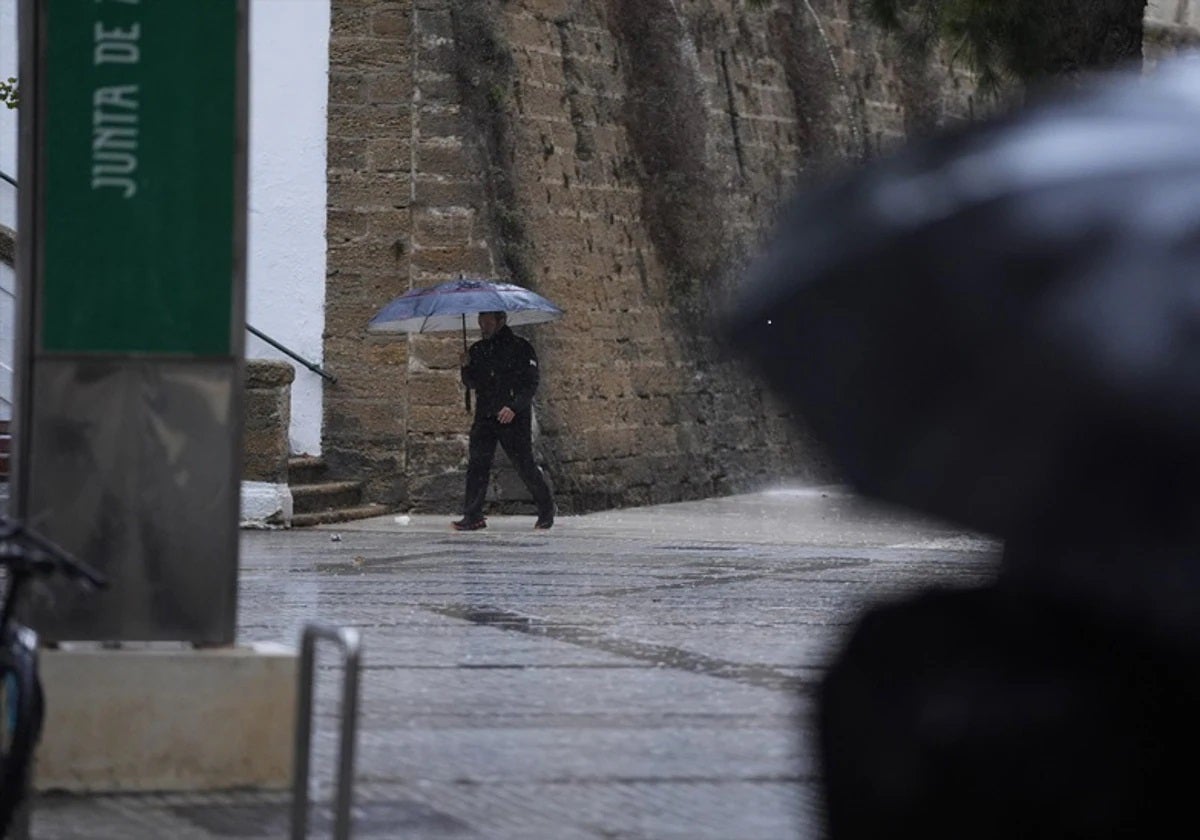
(633, 674)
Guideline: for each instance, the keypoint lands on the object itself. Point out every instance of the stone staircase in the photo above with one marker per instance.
(318, 501)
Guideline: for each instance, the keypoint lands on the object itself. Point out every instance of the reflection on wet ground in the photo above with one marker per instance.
(634, 674)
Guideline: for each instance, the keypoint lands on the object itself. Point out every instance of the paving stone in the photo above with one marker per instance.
(637, 674)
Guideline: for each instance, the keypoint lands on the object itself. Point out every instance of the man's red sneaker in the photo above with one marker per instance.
(465, 524)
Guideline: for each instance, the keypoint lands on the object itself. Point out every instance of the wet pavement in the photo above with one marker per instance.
(641, 673)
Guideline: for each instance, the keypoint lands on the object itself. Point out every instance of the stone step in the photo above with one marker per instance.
(330, 495)
(327, 517)
(306, 469)
(316, 500)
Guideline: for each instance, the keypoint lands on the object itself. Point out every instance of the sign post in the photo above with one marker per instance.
(131, 329)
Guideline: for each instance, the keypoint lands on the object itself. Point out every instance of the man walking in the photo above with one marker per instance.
(502, 368)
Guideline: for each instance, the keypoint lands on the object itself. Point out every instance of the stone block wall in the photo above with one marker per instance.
(621, 157)
(267, 409)
(370, 195)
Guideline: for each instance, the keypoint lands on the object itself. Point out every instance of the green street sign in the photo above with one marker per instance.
(139, 169)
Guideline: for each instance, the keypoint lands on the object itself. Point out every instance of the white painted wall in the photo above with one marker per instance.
(289, 70)
(8, 206)
(1177, 12)
(8, 119)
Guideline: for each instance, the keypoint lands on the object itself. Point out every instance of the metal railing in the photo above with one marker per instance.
(313, 366)
(348, 640)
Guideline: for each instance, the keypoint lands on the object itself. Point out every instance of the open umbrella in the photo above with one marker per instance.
(445, 307)
(1002, 324)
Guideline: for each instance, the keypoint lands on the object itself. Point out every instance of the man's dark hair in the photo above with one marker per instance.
(503, 316)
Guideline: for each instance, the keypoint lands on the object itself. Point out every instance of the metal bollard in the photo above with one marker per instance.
(349, 642)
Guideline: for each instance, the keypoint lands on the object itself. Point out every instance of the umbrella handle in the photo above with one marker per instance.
(468, 393)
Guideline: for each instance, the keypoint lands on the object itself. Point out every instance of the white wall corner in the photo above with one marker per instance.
(285, 285)
(266, 505)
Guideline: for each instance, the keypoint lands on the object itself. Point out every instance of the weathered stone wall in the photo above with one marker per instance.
(267, 409)
(370, 193)
(621, 157)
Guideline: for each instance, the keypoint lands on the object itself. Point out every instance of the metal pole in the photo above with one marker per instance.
(351, 647)
(303, 742)
(30, 132)
(345, 789)
(468, 393)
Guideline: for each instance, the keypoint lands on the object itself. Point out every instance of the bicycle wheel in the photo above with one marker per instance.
(20, 722)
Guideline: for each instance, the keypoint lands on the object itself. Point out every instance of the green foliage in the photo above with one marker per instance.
(990, 36)
(8, 92)
(1026, 40)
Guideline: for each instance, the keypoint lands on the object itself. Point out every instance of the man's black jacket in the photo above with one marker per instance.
(503, 371)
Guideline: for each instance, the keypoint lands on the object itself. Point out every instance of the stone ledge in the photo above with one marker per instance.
(268, 373)
(167, 720)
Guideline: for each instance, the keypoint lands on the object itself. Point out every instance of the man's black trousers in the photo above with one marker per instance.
(517, 440)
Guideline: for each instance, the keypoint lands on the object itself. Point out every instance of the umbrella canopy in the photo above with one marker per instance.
(444, 307)
(1001, 322)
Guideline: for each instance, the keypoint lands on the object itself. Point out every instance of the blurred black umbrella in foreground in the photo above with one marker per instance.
(1001, 324)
